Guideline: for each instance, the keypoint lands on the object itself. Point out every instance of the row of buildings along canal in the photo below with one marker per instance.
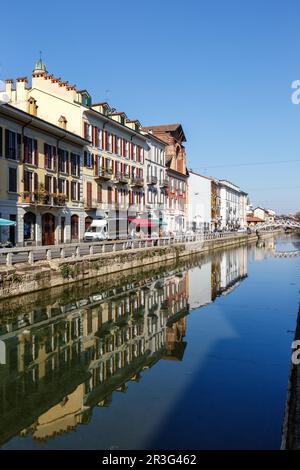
(65, 161)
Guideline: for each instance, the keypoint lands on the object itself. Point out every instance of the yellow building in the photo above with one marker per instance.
(41, 179)
(114, 158)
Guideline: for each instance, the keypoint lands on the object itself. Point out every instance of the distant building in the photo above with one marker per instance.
(199, 202)
(233, 203)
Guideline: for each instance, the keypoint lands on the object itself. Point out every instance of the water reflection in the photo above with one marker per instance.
(62, 359)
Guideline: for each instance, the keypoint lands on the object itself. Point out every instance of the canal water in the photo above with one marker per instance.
(188, 356)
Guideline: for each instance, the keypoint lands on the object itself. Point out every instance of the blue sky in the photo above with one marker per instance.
(222, 69)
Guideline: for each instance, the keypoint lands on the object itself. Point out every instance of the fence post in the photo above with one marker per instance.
(62, 253)
(77, 251)
(9, 259)
(91, 250)
(48, 254)
(30, 257)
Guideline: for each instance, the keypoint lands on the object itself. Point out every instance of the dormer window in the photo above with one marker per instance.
(62, 122)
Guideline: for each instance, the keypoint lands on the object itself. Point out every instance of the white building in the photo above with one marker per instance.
(233, 204)
(156, 183)
(199, 202)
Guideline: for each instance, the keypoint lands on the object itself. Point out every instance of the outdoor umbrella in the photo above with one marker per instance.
(4, 222)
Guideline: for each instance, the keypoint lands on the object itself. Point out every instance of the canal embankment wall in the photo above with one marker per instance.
(22, 278)
(291, 424)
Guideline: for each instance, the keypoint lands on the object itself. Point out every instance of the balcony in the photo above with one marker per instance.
(104, 174)
(122, 178)
(165, 183)
(152, 180)
(137, 181)
(43, 198)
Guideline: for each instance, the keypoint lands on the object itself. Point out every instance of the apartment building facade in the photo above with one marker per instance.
(177, 174)
(156, 192)
(233, 204)
(41, 180)
(113, 159)
(199, 202)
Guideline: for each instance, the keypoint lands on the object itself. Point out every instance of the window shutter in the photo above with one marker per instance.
(46, 155)
(19, 146)
(36, 182)
(85, 131)
(36, 153)
(1, 141)
(96, 165)
(99, 193)
(78, 191)
(67, 189)
(78, 165)
(67, 162)
(54, 159)
(6, 143)
(85, 158)
(25, 142)
(54, 185)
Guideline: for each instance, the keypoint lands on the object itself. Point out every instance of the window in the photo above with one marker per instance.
(110, 142)
(75, 190)
(127, 149)
(75, 164)
(74, 227)
(61, 186)
(29, 226)
(12, 145)
(63, 161)
(49, 151)
(30, 151)
(27, 181)
(12, 180)
(88, 159)
(118, 146)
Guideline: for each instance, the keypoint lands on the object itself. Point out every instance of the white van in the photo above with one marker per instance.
(97, 231)
(107, 229)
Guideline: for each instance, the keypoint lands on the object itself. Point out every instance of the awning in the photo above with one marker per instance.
(5, 222)
(144, 222)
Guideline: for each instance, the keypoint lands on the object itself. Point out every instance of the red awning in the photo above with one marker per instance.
(143, 222)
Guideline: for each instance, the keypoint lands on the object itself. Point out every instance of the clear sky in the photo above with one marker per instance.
(221, 68)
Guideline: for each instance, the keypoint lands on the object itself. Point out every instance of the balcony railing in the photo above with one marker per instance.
(152, 180)
(104, 174)
(43, 198)
(122, 178)
(137, 181)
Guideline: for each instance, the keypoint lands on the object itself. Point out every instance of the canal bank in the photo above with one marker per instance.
(28, 277)
(291, 424)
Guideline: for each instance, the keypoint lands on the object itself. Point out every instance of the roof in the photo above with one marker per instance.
(163, 128)
(36, 122)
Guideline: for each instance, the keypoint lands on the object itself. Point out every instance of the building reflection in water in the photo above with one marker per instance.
(60, 361)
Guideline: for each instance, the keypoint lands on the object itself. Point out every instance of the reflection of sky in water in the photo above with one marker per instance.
(229, 391)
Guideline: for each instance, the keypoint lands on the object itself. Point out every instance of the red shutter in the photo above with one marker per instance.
(138, 159)
(85, 130)
(89, 193)
(36, 153)
(99, 193)
(96, 137)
